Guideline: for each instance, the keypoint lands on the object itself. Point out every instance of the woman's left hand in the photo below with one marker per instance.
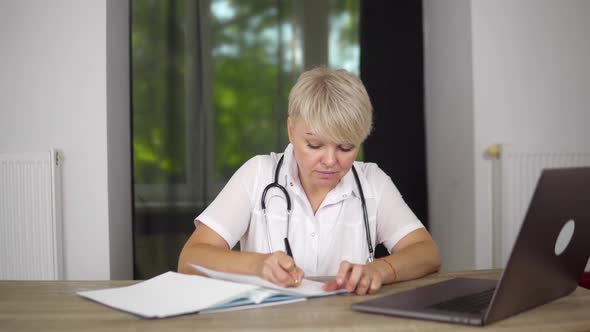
(358, 278)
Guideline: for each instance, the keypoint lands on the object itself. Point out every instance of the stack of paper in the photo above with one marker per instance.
(172, 294)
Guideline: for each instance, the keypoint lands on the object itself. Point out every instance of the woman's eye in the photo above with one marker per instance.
(346, 148)
(313, 146)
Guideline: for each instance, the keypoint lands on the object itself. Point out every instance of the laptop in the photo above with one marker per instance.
(546, 262)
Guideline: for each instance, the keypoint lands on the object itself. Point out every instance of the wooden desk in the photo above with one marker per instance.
(54, 306)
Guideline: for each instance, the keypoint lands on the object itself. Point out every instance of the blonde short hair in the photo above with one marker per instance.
(334, 104)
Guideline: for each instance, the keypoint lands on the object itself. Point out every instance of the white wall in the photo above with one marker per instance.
(530, 67)
(449, 130)
(119, 139)
(53, 93)
(532, 85)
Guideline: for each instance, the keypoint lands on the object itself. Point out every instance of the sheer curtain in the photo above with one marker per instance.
(210, 81)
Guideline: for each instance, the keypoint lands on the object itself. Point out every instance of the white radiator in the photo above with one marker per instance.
(514, 178)
(30, 216)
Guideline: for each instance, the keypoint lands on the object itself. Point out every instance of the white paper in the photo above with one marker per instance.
(170, 294)
(308, 288)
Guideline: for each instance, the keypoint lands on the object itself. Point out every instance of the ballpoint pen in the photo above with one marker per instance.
(290, 253)
(288, 248)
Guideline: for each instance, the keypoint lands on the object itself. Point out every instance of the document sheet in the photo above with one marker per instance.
(172, 294)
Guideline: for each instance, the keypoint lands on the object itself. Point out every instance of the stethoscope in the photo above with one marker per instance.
(276, 184)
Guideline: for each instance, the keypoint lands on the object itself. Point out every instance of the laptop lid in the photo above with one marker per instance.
(552, 247)
(547, 259)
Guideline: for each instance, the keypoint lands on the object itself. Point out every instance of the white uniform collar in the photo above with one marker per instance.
(290, 165)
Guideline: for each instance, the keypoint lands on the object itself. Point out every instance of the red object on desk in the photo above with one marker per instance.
(585, 280)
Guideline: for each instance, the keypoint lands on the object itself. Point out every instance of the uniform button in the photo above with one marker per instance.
(291, 184)
(312, 234)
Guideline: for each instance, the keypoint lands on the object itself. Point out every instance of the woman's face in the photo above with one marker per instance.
(321, 164)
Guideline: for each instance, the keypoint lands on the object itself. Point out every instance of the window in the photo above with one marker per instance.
(210, 87)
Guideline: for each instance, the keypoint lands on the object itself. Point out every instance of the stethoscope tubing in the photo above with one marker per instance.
(276, 184)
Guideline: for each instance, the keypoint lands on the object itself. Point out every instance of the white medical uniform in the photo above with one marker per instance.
(319, 242)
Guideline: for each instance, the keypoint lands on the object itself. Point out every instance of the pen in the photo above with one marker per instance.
(288, 248)
(290, 253)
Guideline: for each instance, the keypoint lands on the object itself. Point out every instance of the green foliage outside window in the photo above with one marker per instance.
(157, 93)
(254, 62)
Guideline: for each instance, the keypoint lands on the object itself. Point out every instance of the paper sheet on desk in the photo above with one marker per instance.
(170, 294)
(308, 288)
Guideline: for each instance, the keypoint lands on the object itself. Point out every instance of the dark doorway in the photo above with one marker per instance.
(392, 70)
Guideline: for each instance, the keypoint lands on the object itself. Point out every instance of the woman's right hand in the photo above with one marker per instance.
(207, 248)
(279, 268)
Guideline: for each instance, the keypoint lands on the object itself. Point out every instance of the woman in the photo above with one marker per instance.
(330, 116)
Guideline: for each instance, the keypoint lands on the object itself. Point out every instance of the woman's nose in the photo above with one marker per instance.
(329, 158)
